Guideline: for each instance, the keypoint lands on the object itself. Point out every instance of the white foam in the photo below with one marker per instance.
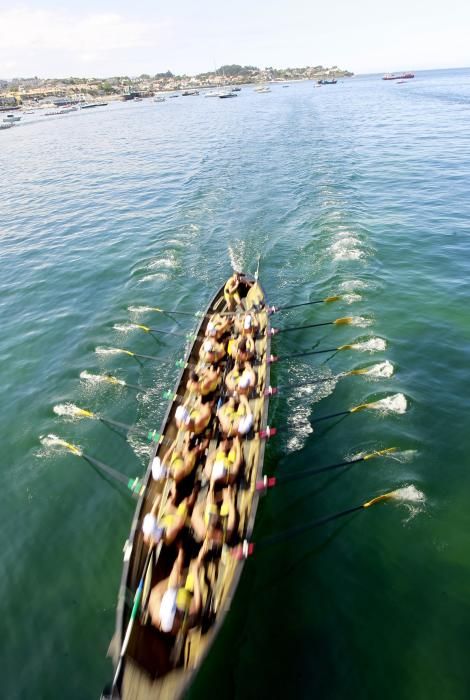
(237, 255)
(52, 441)
(382, 370)
(360, 321)
(352, 285)
(156, 276)
(396, 403)
(371, 345)
(351, 298)
(125, 327)
(68, 409)
(408, 494)
(404, 456)
(349, 254)
(139, 309)
(100, 378)
(166, 263)
(344, 242)
(108, 351)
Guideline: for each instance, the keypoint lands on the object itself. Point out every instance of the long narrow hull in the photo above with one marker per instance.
(148, 669)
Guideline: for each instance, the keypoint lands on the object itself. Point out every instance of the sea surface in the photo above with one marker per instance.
(360, 189)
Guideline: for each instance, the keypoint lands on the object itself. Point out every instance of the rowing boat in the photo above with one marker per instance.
(148, 662)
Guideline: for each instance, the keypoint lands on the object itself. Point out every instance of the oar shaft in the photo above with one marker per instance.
(305, 353)
(292, 532)
(310, 325)
(134, 485)
(317, 470)
(331, 415)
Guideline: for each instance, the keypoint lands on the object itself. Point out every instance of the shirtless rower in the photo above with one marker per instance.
(235, 416)
(214, 520)
(223, 464)
(231, 291)
(204, 382)
(168, 525)
(239, 380)
(178, 461)
(211, 351)
(218, 325)
(195, 417)
(177, 599)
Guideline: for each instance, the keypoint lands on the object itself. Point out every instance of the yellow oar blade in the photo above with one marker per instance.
(337, 297)
(144, 328)
(360, 370)
(380, 453)
(378, 499)
(361, 407)
(345, 321)
(345, 347)
(155, 308)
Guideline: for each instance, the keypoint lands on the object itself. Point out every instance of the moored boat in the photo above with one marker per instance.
(324, 81)
(398, 76)
(12, 118)
(150, 662)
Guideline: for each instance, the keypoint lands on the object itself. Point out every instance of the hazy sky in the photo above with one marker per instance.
(104, 37)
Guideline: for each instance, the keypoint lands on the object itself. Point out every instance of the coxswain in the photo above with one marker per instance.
(176, 601)
(194, 418)
(214, 520)
(235, 416)
(223, 464)
(231, 291)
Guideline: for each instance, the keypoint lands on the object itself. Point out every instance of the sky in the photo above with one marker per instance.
(98, 38)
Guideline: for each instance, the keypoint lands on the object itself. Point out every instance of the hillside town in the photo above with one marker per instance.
(20, 91)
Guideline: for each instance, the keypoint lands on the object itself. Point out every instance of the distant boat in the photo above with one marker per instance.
(324, 81)
(398, 76)
(159, 99)
(236, 89)
(12, 118)
(64, 110)
(212, 93)
(89, 105)
(190, 93)
(262, 89)
(8, 125)
(224, 95)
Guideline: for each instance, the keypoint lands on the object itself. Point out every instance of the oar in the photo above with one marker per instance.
(135, 610)
(178, 363)
(135, 485)
(151, 435)
(174, 311)
(345, 321)
(148, 329)
(354, 409)
(247, 548)
(327, 300)
(110, 379)
(304, 353)
(268, 482)
(275, 390)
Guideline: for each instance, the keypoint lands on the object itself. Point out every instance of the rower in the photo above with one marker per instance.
(211, 351)
(241, 381)
(204, 382)
(167, 526)
(218, 325)
(235, 416)
(177, 600)
(248, 325)
(223, 464)
(215, 519)
(245, 350)
(178, 462)
(194, 418)
(232, 292)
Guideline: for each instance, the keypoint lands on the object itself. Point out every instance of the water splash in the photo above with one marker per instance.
(237, 255)
(100, 378)
(352, 285)
(139, 309)
(348, 253)
(351, 298)
(125, 327)
(345, 241)
(411, 498)
(371, 345)
(360, 321)
(108, 351)
(51, 441)
(300, 406)
(152, 277)
(69, 410)
(404, 456)
(396, 403)
(381, 370)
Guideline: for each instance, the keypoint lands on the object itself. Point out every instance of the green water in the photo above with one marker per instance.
(360, 188)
